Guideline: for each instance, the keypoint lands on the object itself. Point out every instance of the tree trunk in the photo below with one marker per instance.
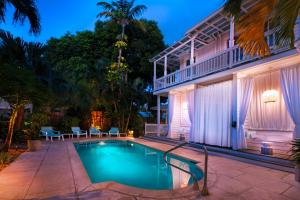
(10, 132)
(20, 119)
(129, 115)
(120, 49)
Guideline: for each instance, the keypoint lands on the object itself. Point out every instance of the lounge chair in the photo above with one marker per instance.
(94, 131)
(78, 132)
(114, 131)
(48, 132)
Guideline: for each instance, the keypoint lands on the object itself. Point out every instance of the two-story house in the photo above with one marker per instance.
(218, 95)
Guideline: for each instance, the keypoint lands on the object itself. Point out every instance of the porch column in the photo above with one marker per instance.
(192, 51)
(166, 66)
(297, 32)
(231, 33)
(158, 115)
(234, 110)
(154, 75)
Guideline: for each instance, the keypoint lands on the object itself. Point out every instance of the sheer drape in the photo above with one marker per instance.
(290, 84)
(212, 120)
(245, 90)
(171, 103)
(190, 102)
(268, 116)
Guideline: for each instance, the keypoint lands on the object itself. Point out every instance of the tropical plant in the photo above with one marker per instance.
(23, 9)
(250, 26)
(22, 85)
(34, 124)
(4, 158)
(122, 12)
(296, 151)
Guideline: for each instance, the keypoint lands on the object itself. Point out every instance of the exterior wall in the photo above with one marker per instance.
(220, 44)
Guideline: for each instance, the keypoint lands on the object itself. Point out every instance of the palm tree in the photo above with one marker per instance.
(251, 26)
(23, 9)
(21, 77)
(122, 12)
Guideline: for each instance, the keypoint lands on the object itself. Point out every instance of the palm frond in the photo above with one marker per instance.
(105, 5)
(2, 10)
(285, 16)
(27, 9)
(233, 7)
(251, 28)
(137, 11)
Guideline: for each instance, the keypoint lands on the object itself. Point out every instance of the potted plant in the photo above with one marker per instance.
(33, 126)
(296, 157)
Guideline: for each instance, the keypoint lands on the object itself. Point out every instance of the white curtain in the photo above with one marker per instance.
(212, 120)
(290, 84)
(171, 103)
(272, 116)
(245, 90)
(190, 102)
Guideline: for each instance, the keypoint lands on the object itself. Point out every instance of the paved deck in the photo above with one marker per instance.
(56, 172)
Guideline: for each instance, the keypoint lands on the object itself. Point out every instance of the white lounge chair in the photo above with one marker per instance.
(48, 132)
(94, 131)
(78, 132)
(114, 131)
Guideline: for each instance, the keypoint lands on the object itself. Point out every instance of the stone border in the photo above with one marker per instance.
(84, 184)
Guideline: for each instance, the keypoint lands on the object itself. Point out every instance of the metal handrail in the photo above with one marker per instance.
(195, 186)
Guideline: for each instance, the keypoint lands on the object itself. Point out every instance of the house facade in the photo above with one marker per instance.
(220, 96)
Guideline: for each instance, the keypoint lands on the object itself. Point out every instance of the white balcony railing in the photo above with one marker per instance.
(221, 61)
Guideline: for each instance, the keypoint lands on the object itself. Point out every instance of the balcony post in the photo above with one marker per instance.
(154, 75)
(192, 56)
(297, 32)
(231, 33)
(192, 51)
(231, 41)
(158, 115)
(165, 66)
(165, 70)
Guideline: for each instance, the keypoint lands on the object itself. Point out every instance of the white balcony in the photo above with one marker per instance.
(230, 58)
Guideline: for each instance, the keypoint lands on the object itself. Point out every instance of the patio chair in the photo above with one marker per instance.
(114, 131)
(48, 132)
(78, 132)
(94, 131)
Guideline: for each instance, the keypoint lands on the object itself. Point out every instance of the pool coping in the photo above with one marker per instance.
(83, 182)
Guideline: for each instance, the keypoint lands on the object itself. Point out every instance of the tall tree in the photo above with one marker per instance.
(122, 12)
(23, 9)
(81, 60)
(251, 25)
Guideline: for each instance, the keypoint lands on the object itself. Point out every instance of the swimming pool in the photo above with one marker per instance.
(135, 165)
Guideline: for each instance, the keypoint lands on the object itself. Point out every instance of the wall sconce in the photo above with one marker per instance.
(185, 106)
(270, 96)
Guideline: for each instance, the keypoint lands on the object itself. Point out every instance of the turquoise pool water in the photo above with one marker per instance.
(135, 165)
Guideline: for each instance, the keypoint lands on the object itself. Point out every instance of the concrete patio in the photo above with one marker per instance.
(56, 172)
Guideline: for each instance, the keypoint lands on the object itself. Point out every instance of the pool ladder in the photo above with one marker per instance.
(204, 190)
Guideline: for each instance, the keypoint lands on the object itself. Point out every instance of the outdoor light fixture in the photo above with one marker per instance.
(101, 143)
(185, 106)
(270, 96)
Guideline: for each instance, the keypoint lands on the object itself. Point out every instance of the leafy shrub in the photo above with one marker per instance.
(296, 151)
(67, 123)
(34, 124)
(4, 158)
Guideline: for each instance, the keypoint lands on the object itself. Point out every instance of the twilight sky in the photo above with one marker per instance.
(174, 17)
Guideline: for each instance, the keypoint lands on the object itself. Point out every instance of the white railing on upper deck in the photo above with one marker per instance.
(155, 129)
(221, 61)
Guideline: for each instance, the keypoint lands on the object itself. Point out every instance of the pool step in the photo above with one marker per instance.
(262, 160)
